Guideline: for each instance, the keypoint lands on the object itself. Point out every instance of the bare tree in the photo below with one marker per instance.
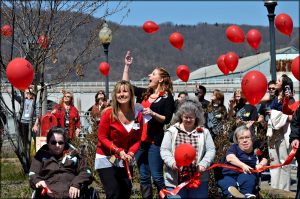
(58, 22)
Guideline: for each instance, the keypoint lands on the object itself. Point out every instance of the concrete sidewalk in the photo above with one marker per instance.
(278, 193)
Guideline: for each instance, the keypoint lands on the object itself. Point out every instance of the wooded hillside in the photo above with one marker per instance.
(204, 43)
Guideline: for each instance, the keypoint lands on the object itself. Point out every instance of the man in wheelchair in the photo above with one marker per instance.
(243, 154)
(57, 171)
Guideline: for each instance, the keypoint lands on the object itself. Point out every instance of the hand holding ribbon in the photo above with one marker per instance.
(194, 181)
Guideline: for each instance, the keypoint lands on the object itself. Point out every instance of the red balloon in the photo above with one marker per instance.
(184, 154)
(294, 106)
(235, 34)
(183, 72)
(284, 24)
(253, 38)
(6, 31)
(20, 73)
(254, 86)
(231, 60)
(176, 39)
(150, 27)
(295, 68)
(221, 65)
(104, 68)
(43, 41)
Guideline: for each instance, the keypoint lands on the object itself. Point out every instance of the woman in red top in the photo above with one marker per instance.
(119, 136)
(67, 115)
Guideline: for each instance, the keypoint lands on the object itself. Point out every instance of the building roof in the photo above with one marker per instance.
(244, 64)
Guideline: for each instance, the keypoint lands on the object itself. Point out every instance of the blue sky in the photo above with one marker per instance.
(194, 12)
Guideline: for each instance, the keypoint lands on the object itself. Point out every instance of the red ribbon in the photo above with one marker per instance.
(127, 169)
(195, 182)
(44, 191)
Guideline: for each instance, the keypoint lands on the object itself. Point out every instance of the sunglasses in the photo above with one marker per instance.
(271, 88)
(59, 142)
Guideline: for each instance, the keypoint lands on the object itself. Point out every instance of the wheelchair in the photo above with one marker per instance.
(85, 193)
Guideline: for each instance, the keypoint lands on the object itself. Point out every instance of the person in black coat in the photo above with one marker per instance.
(294, 140)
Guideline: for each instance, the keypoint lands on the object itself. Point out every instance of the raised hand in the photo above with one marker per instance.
(128, 58)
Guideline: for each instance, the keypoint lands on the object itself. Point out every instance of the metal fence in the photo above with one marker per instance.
(85, 125)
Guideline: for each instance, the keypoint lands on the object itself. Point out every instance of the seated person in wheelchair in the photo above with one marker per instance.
(55, 172)
(243, 154)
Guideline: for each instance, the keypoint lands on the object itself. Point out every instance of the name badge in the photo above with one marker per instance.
(136, 126)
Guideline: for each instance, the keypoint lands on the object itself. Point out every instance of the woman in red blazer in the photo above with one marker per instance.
(67, 115)
(119, 136)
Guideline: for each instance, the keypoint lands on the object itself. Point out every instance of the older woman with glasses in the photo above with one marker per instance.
(67, 115)
(245, 155)
(57, 173)
(188, 128)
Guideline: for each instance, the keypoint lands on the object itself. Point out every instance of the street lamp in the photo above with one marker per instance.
(105, 36)
(271, 9)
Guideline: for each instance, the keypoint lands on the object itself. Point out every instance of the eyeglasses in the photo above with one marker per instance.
(271, 88)
(59, 142)
(240, 139)
(68, 96)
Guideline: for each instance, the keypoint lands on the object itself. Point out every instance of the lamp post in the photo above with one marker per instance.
(105, 36)
(271, 9)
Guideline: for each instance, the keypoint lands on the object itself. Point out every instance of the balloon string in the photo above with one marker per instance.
(195, 180)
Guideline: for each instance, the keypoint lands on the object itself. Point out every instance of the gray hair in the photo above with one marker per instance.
(241, 129)
(190, 105)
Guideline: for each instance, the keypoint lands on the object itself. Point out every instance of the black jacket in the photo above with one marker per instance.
(163, 105)
(295, 128)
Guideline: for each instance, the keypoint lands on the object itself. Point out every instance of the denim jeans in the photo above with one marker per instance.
(245, 182)
(200, 192)
(150, 165)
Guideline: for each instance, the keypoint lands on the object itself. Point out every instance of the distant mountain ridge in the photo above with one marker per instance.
(203, 44)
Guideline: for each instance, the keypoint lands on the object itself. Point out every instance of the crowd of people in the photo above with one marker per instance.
(146, 125)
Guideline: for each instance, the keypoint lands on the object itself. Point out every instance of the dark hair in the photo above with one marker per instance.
(96, 96)
(271, 82)
(182, 92)
(202, 88)
(286, 81)
(58, 130)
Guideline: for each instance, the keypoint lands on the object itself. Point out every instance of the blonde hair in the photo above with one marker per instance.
(237, 91)
(115, 104)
